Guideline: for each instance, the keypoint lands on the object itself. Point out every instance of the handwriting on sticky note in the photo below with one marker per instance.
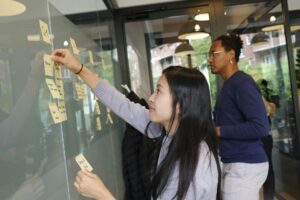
(48, 65)
(83, 163)
(56, 115)
(45, 31)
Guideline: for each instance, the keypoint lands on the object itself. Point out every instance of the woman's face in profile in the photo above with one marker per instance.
(160, 107)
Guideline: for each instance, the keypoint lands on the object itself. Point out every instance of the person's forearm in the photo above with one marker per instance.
(89, 77)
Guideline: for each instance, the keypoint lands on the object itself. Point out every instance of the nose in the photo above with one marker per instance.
(151, 98)
(210, 59)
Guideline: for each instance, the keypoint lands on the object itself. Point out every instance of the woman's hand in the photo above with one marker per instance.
(89, 185)
(67, 59)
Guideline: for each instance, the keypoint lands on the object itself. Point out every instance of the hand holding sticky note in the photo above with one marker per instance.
(83, 163)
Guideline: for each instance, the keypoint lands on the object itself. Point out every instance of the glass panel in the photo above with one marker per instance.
(39, 138)
(264, 57)
(152, 44)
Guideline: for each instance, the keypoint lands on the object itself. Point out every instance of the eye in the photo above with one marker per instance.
(157, 90)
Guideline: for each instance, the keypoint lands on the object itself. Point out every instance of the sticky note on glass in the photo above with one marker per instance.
(48, 65)
(57, 71)
(74, 46)
(45, 32)
(60, 88)
(83, 163)
(55, 113)
(91, 57)
(62, 110)
(53, 89)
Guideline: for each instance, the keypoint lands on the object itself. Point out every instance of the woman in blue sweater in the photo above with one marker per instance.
(187, 166)
(241, 120)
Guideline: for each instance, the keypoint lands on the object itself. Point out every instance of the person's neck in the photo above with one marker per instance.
(173, 129)
(229, 72)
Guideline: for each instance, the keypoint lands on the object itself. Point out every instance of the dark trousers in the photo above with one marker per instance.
(269, 185)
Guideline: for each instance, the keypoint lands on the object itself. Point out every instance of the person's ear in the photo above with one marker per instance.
(232, 55)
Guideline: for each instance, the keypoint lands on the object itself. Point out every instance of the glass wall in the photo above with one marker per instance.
(47, 115)
(265, 58)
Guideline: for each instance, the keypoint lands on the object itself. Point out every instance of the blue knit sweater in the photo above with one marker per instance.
(242, 118)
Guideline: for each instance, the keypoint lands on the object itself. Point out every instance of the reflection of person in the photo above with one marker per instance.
(241, 120)
(19, 152)
(269, 184)
(187, 164)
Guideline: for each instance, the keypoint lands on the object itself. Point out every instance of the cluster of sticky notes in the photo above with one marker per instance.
(80, 93)
(83, 163)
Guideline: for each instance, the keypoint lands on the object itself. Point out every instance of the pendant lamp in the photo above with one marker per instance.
(11, 8)
(184, 49)
(192, 30)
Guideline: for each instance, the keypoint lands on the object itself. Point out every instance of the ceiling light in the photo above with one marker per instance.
(272, 28)
(278, 27)
(11, 8)
(184, 49)
(192, 30)
(272, 19)
(66, 43)
(202, 17)
(260, 39)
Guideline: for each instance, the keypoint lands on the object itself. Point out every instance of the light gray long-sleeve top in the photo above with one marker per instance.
(204, 185)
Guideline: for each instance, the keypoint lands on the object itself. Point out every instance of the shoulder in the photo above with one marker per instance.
(245, 82)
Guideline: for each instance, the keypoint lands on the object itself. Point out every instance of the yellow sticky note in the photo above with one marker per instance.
(109, 118)
(97, 109)
(45, 32)
(83, 163)
(98, 124)
(56, 116)
(57, 71)
(62, 110)
(74, 46)
(60, 87)
(48, 65)
(91, 57)
(53, 89)
(80, 91)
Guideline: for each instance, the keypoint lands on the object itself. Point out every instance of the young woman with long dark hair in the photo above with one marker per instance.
(180, 112)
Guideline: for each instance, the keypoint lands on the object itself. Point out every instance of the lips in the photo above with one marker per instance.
(151, 109)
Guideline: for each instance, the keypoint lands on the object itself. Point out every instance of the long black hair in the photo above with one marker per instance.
(190, 91)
